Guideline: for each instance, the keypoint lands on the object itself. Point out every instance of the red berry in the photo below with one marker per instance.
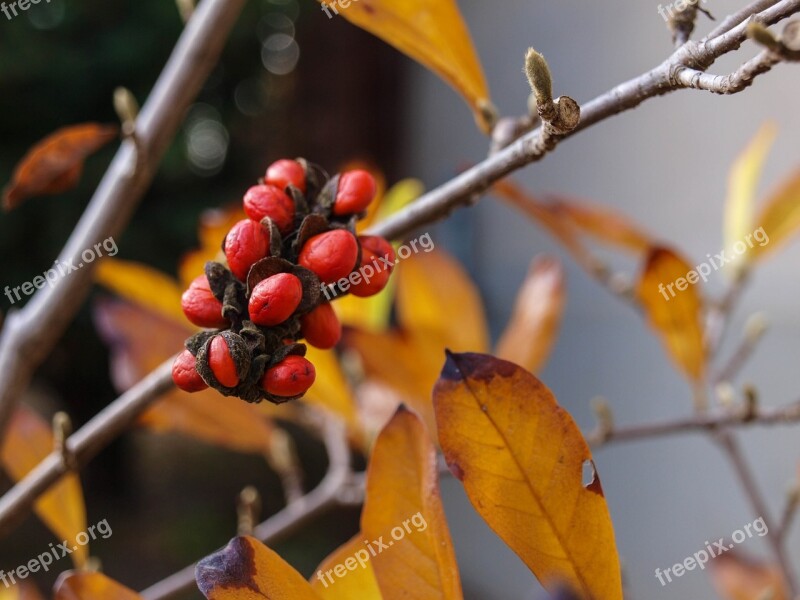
(269, 201)
(290, 377)
(275, 299)
(201, 307)
(185, 375)
(331, 255)
(246, 243)
(221, 362)
(321, 327)
(356, 190)
(285, 172)
(373, 249)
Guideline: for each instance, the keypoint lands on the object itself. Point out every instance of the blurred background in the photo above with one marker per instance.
(293, 82)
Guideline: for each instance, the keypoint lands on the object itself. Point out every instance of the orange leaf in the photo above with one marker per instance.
(674, 314)
(403, 507)
(520, 457)
(28, 442)
(83, 585)
(54, 164)
(247, 570)
(737, 578)
(533, 328)
(600, 223)
(432, 33)
(359, 583)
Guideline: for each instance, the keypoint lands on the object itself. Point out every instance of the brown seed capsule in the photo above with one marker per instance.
(185, 375)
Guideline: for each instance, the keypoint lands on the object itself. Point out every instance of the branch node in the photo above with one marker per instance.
(185, 9)
(750, 408)
(605, 418)
(248, 510)
(127, 109)
(62, 429)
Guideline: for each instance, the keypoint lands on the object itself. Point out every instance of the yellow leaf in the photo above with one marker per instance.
(520, 457)
(431, 32)
(214, 226)
(28, 442)
(359, 583)
(438, 305)
(403, 509)
(737, 578)
(81, 585)
(247, 570)
(331, 390)
(742, 184)
(400, 195)
(143, 285)
(532, 330)
(779, 217)
(24, 590)
(673, 313)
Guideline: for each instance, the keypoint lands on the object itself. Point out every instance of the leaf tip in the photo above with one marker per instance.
(232, 567)
(460, 366)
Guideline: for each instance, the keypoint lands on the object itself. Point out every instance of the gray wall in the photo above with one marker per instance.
(664, 164)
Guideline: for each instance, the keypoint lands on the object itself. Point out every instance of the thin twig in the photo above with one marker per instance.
(701, 423)
(28, 335)
(733, 452)
(321, 499)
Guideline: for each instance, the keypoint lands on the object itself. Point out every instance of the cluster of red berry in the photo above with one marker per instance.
(298, 246)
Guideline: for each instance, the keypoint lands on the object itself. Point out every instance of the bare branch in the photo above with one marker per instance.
(84, 444)
(29, 335)
(438, 203)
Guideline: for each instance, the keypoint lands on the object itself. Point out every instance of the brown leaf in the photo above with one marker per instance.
(738, 578)
(521, 459)
(54, 165)
(673, 313)
(246, 569)
(533, 328)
